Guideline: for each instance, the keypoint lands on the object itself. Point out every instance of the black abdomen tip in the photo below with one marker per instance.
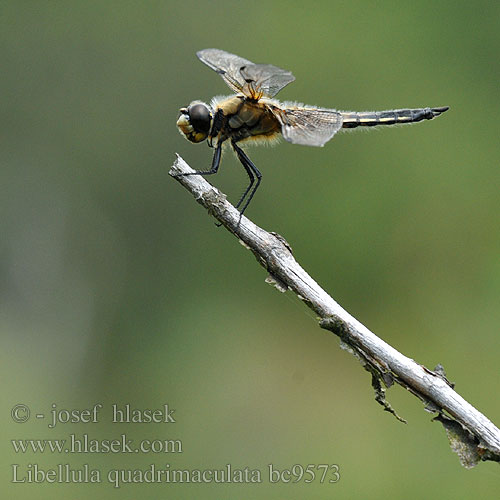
(438, 111)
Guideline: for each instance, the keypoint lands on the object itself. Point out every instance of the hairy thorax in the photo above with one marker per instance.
(246, 120)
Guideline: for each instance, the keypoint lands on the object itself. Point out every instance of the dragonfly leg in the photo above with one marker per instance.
(214, 167)
(253, 173)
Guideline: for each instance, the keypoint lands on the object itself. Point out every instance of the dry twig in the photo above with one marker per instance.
(472, 436)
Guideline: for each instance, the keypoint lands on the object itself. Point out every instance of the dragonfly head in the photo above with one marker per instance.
(194, 122)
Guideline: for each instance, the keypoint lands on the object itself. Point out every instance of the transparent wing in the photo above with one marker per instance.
(266, 79)
(309, 126)
(226, 65)
(242, 75)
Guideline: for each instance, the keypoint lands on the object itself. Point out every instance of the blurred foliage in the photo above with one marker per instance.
(116, 287)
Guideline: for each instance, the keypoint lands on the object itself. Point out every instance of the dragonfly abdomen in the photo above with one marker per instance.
(392, 117)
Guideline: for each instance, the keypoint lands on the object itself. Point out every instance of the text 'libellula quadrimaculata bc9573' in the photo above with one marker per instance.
(253, 116)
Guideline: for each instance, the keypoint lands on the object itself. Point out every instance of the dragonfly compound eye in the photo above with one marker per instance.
(199, 116)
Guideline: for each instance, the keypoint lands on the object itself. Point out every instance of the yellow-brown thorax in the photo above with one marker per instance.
(245, 120)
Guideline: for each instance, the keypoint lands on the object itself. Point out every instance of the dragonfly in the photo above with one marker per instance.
(253, 116)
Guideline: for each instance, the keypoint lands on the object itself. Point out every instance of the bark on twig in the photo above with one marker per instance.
(472, 436)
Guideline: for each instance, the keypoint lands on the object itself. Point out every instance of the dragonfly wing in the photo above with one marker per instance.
(266, 78)
(226, 65)
(243, 75)
(309, 126)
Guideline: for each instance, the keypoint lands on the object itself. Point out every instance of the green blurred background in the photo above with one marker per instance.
(116, 287)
